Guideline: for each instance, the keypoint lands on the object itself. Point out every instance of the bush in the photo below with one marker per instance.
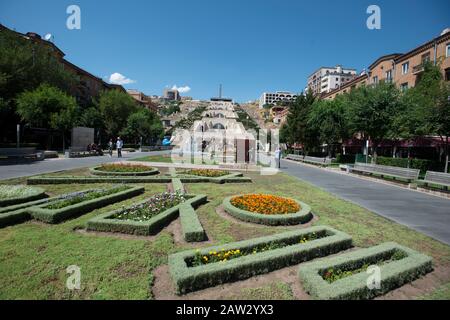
(189, 278)
(14, 194)
(106, 223)
(190, 224)
(302, 216)
(421, 164)
(345, 158)
(177, 185)
(123, 170)
(394, 273)
(57, 215)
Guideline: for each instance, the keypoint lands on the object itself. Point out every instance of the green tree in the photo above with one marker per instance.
(24, 66)
(296, 129)
(143, 124)
(47, 107)
(116, 106)
(372, 110)
(329, 119)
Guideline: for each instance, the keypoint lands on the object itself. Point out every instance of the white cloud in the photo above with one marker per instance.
(184, 89)
(117, 78)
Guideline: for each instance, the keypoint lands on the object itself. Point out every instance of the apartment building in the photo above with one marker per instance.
(326, 79)
(171, 95)
(403, 69)
(274, 98)
(142, 99)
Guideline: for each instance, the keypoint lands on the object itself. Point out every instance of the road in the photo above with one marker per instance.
(422, 212)
(59, 164)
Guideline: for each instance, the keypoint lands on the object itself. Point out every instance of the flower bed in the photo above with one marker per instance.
(252, 257)
(345, 276)
(77, 203)
(211, 173)
(146, 217)
(14, 194)
(267, 209)
(123, 169)
(231, 178)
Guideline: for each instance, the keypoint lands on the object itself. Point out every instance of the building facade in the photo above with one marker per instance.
(326, 79)
(171, 95)
(274, 98)
(403, 70)
(142, 99)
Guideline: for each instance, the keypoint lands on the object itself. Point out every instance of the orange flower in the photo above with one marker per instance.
(265, 204)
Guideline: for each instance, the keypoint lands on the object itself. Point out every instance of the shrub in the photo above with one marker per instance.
(190, 278)
(345, 158)
(177, 185)
(302, 215)
(421, 164)
(398, 265)
(60, 213)
(121, 169)
(107, 223)
(13, 194)
(190, 224)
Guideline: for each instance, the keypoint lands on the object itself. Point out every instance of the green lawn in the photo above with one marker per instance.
(158, 158)
(34, 256)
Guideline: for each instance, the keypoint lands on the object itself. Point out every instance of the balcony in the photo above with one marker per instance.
(417, 69)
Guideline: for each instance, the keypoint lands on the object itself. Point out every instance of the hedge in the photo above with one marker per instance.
(57, 215)
(393, 274)
(302, 216)
(421, 164)
(97, 172)
(190, 224)
(345, 158)
(189, 278)
(128, 179)
(177, 185)
(37, 193)
(19, 212)
(104, 223)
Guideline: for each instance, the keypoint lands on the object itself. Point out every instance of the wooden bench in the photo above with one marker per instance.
(436, 178)
(388, 171)
(308, 159)
(18, 154)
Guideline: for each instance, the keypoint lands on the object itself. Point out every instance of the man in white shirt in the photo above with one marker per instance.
(119, 145)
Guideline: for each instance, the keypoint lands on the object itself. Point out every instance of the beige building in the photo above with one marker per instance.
(326, 79)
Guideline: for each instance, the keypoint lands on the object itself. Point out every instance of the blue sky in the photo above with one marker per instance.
(249, 46)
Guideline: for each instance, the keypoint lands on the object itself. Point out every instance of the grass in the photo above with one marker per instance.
(158, 158)
(34, 256)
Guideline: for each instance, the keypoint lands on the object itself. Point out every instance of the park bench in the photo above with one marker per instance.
(308, 159)
(20, 154)
(436, 178)
(387, 171)
(80, 153)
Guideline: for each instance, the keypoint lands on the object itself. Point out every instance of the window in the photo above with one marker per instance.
(405, 68)
(447, 74)
(426, 57)
(404, 86)
(375, 80)
(448, 50)
(389, 75)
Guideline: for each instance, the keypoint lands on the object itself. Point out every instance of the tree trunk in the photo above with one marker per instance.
(446, 155)
(64, 142)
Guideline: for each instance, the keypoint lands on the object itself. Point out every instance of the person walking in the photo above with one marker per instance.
(278, 157)
(110, 147)
(119, 145)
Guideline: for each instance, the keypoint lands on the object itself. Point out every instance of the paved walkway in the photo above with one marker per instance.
(422, 212)
(59, 164)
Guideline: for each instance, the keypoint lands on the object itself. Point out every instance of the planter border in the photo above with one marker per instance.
(97, 172)
(58, 215)
(129, 179)
(393, 274)
(304, 215)
(39, 193)
(19, 212)
(152, 226)
(194, 278)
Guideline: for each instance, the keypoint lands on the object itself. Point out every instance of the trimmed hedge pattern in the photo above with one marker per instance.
(177, 185)
(38, 193)
(58, 215)
(393, 274)
(128, 179)
(302, 216)
(190, 224)
(194, 278)
(96, 171)
(153, 226)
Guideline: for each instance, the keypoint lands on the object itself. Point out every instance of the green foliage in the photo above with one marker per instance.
(190, 224)
(143, 123)
(353, 285)
(91, 118)
(10, 195)
(170, 109)
(47, 107)
(422, 165)
(189, 278)
(116, 106)
(345, 158)
(194, 115)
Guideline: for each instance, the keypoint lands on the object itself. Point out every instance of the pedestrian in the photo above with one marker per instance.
(278, 157)
(110, 147)
(119, 145)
